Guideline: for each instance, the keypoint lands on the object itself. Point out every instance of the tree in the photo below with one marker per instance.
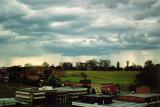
(118, 68)
(149, 76)
(52, 66)
(84, 80)
(83, 75)
(148, 63)
(81, 66)
(135, 67)
(91, 64)
(45, 64)
(28, 65)
(112, 68)
(104, 64)
(118, 65)
(127, 64)
(54, 81)
(67, 65)
(15, 73)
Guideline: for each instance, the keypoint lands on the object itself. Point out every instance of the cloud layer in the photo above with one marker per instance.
(76, 28)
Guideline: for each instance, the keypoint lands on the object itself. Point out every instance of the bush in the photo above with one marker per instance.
(150, 77)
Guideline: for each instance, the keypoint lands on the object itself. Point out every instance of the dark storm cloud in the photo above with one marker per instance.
(4, 40)
(41, 4)
(59, 26)
(11, 10)
(110, 3)
(81, 50)
(141, 8)
(151, 11)
(37, 22)
(132, 42)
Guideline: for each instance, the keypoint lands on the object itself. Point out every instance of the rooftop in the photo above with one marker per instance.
(97, 95)
(9, 102)
(143, 95)
(114, 104)
(48, 89)
(71, 88)
(36, 89)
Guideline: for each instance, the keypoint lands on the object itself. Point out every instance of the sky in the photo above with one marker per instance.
(34, 31)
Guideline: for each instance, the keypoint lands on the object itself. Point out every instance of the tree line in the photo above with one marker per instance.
(93, 65)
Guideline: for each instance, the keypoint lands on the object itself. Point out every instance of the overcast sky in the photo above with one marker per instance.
(34, 31)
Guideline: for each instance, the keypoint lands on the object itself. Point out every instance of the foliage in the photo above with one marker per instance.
(150, 75)
(104, 64)
(14, 73)
(91, 64)
(148, 63)
(45, 64)
(127, 63)
(118, 65)
(85, 81)
(53, 81)
(28, 65)
(67, 65)
(81, 66)
(29, 82)
(84, 76)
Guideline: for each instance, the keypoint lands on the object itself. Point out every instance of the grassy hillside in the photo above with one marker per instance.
(124, 79)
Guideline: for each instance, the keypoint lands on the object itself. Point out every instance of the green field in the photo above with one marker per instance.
(123, 78)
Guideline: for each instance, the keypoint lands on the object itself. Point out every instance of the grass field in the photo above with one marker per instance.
(123, 78)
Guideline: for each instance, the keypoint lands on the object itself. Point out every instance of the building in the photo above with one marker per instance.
(48, 94)
(114, 103)
(11, 102)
